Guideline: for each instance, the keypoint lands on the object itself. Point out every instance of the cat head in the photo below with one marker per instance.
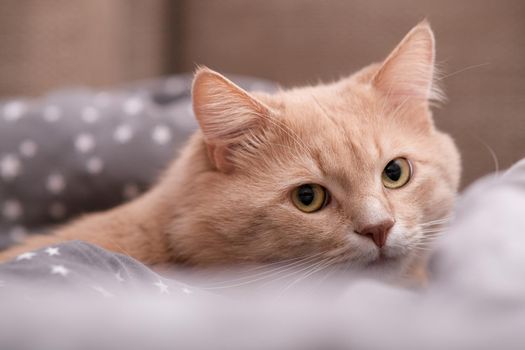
(352, 172)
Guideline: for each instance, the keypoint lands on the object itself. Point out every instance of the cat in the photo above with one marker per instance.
(353, 172)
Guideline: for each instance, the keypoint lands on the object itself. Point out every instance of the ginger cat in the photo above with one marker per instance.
(354, 171)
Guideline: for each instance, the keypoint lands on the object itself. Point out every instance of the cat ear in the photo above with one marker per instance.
(228, 116)
(408, 72)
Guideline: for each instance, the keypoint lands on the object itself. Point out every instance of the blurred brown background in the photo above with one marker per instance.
(50, 44)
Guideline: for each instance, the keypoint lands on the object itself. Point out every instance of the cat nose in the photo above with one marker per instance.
(377, 232)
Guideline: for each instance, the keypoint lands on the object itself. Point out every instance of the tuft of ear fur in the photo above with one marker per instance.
(228, 116)
(409, 71)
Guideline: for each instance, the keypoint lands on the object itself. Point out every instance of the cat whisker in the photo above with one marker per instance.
(279, 263)
(425, 241)
(274, 267)
(430, 233)
(245, 280)
(432, 229)
(317, 268)
(438, 221)
(420, 248)
(433, 223)
(297, 271)
(313, 267)
(333, 267)
(430, 237)
(492, 154)
(463, 70)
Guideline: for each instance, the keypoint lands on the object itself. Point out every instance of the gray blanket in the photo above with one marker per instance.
(78, 296)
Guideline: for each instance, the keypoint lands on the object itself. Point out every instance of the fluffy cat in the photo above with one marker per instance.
(353, 172)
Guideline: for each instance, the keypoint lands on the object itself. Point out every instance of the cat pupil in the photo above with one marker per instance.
(306, 194)
(393, 170)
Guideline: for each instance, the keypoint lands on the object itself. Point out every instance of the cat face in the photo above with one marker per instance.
(352, 172)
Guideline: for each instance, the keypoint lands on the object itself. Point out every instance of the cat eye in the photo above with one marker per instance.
(310, 198)
(396, 173)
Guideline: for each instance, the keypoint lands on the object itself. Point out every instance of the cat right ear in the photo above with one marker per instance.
(228, 116)
(409, 71)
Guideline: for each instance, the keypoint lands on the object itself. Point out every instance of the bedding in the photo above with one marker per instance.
(76, 295)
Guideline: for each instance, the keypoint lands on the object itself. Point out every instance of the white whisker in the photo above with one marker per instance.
(463, 70)
(245, 280)
(319, 267)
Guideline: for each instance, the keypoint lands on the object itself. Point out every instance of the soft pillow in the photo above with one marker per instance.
(79, 150)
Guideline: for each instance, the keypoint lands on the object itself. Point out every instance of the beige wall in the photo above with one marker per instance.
(297, 42)
(48, 44)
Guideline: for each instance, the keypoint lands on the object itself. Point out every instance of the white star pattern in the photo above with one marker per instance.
(161, 134)
(123, 133)
(25, 256)
(52, 251)
(131, 191)
(90, 115)
(133, 106)
(103, 291)
(52, 113)
(186, 290)
(84, 143)
(10, 167)
(57, 210)
(12, 209)
(59, 270)
(28, 148)
(163, 288)
(119, 277)
(55, 183)
(14, 110)
(94, 165)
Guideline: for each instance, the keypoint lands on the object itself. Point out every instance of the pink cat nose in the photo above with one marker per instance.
(377, 232)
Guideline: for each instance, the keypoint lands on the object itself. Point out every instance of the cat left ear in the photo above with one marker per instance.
(227, 115)
(408, 72)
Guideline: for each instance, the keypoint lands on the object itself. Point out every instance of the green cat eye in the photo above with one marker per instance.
(396, 173)
(310, 198)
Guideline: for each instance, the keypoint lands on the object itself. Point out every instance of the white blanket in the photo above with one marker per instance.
(475, 300)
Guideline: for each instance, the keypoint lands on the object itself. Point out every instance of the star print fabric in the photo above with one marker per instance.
(85, 268)
(77, 151)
